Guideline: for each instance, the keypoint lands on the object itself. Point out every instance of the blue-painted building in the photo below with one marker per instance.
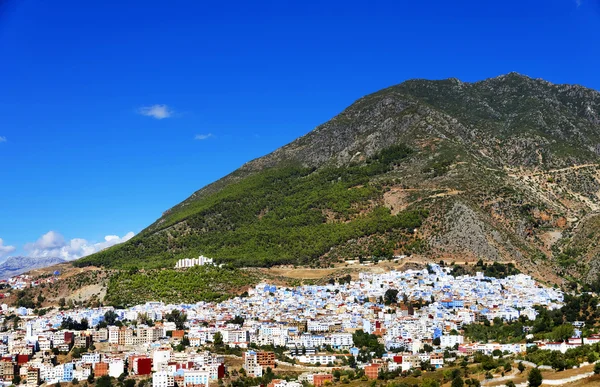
(67, 372)
(453, 303)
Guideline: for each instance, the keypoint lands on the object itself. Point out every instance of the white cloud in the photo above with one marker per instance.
(5, 250)
(52, 244)
(203, 136)
(578, 2)
(156, 111)
(2, 139)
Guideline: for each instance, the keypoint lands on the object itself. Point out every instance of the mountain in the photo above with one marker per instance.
(18, 265)
(504, 169)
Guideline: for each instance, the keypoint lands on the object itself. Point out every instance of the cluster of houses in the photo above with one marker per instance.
(314, 324)
(30, 355)
(23, 281)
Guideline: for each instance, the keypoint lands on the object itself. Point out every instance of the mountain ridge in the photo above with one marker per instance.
(251, 165)
(16, 265)
(472, 152)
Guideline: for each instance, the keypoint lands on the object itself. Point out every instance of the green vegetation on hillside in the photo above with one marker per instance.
(549, 324)
(561, 361)
(276, 216)
(198, 283)
(495, 269)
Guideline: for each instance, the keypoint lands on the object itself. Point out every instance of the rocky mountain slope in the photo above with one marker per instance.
(504, 169)
(18, 265)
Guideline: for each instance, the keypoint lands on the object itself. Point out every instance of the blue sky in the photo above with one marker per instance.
(112, 112)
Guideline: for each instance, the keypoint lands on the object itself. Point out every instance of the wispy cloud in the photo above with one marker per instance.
(578, 2)
(2, 139)
(203, 136)
(5, 250)
(156, 111)
(53, 244)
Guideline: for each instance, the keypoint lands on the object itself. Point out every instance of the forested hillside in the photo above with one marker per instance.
(283, 215)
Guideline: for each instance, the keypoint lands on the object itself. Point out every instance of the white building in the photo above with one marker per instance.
(235, 337)
(314, 359)
(116, 367)
(449, 341)
(189, 262)
(341, 340)
(160, 356)
(113, 334)
(163, 379)
(195, 377)
(91, 358)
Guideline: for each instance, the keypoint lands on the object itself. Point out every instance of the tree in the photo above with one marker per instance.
(437, 341)
(110, 317)
(178, 317)
(562, 332)
(218, 339)
(474, 382)
(104, 381)
(62, 302)
(521, 367)
(457, 382)
(337, 374)
(424, 365)
(507, 367)
(430, 383)
(143, 318)
(129, 383)
(352, 361)
(75, 381)
(391, 296)
(16, 380)
(510, 383)
(236, 320)
(597, 368)
(535, 377)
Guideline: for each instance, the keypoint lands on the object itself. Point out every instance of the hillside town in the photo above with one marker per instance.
(416, 316)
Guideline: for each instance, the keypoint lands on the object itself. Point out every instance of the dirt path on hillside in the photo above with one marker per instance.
(538, 173)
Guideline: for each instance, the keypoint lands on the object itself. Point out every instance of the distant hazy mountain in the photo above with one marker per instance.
(17, 265)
